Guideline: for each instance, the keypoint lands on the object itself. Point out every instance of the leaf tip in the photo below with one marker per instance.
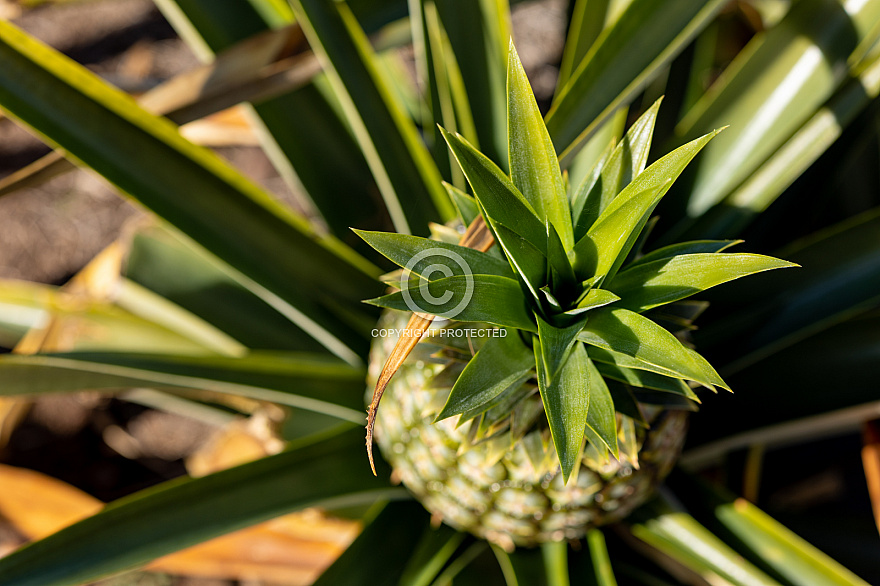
(371, 421)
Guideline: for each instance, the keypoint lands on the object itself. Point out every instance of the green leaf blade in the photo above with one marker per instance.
(403, 250)
(608, 242)
(405, 173)
(492, 299)
(790, 555)
(308, 381)
(566, 401)
(189, 186)
(625, 163)
(663, 281)
(629, 333)
(180, 513)
(496, 193)
(678, 535)
(533, 164)
(594, 299)
(529, 263)
(692, 247)
(601, 418)
(646, 37)
(646, 379)
(556, 344)
(501, 362)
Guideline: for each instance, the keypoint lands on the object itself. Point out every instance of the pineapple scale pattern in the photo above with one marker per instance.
(511, 495)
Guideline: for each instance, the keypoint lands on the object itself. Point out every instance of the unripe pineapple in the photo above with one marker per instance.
(542, 421)
(498, 484)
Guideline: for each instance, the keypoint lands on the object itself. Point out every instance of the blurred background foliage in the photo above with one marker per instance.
(795, 175)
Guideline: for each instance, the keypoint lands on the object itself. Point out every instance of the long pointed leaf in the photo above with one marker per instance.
(647, 36)
(780, 170)
(610, 239)
(566, 402)
(501, 362)
(533, 164)
(477, 298)
(310, 382)
(630, 333)
(646, 379)
(681, 537)
(556, 344)
(777, 86)
(404, 171)
(528, 262)
(181, 513)
(479, 31)
(764, 540)
(601, 418)
(600, 559)
(158, 255)
(588, 18)
(625, 163)
(406, 251)
(497, 193)
(663, 281)
(692, 247)
(300, 131)
(189, 186)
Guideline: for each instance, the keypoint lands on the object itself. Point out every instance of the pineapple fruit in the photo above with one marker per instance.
(494, 476)
(519, 422)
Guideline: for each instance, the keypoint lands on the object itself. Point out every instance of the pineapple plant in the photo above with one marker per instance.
(516, 436)
(543, 413)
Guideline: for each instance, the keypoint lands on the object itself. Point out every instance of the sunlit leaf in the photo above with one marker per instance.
(655, 283)
(534, 168)
(496, 367)
(566, 401)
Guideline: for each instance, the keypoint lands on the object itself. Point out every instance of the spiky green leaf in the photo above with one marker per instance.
(599, 558)
(609, 240)
(529, 262)
(566, 402)
(632, 334)
(646, 379)
(496, 193)
(189, 186)
(646, 37)
(626, 161)
(425, 257)
(406, 175)
(601, 418)
(533, 164)
(312, 382)
(678, 535)
(663, 281)
(692, 247)
(501, 362)
(556, 344)
(487, 298)
(467, 207)
(594, 299)
(186, 511)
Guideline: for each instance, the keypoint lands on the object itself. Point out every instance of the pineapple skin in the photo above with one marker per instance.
(500, 493)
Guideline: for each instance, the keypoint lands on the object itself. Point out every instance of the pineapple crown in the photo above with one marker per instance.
(568, 275)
